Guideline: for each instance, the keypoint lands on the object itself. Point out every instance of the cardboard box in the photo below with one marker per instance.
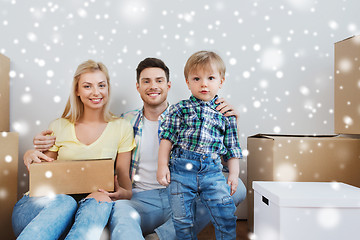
(306, 210)
(4, 93)
(71, 177)
(347, 86)
(9, 145)
(301, 159)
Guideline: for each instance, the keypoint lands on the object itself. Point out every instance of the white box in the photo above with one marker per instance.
(306, 210)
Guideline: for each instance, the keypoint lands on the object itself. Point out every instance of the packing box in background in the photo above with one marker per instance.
(9, 145)
(306, 210)
(4, 93)
(347, 86)
(301, 159)
(71, 177)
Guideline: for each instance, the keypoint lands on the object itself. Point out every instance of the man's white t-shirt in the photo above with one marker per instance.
(149, 148)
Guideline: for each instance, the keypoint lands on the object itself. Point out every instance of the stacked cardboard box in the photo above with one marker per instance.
(4, 93)
(347, 86)
(301, 159)
(9, 142)
(315, 158)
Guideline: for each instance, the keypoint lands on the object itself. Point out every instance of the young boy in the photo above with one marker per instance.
(198, 136)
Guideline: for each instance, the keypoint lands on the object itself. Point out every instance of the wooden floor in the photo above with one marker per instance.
(241, 231)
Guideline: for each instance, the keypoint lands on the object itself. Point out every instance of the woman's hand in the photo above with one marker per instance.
(225, 108)
(119, 193)
(36, 156)
(43, 141)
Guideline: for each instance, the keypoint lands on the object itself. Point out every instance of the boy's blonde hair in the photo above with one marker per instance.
(74, 108)
(204, 59)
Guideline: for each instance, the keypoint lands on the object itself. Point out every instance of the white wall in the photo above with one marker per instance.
(279, 56)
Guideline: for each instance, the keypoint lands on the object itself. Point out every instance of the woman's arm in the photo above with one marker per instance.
(35, 156)
(123, 174)
(123, 185)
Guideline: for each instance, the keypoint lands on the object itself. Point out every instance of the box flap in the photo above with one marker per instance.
(272, 136)
(261, 135)
(79, 160)
(345, 39)
(4, 57)
(309, 194)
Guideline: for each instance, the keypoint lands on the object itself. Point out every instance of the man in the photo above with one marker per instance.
(148, 212)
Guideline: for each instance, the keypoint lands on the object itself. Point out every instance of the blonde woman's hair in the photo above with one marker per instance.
(74, 108)
(204, 59)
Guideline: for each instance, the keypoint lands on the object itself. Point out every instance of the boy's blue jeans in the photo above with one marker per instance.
(149, 211)
(51, 218)
(192, 175)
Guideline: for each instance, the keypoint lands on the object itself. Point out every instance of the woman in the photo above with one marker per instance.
(86, 130)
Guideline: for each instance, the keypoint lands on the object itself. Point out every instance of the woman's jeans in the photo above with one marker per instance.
(51, 217)
(90, 219)
(194, 174)
(43, 217)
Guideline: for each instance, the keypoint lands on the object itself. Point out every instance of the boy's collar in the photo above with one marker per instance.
(210, 103)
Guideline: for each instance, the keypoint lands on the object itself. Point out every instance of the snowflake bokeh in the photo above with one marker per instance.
(279, 56)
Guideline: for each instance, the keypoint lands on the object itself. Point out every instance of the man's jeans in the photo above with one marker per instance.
(149, 211)
(194, 174)
(51, 218)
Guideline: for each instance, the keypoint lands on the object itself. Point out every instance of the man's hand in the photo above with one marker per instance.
(36, 156)
(233, 181)
(163, 175)
(43, 142)
(225, 108)
(119, 192)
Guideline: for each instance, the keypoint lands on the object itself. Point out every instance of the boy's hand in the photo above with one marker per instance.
(225, 108)
(163, 175)
(233, 182)
(43, 142)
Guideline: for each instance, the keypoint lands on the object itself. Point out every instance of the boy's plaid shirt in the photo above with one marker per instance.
(136, 118)
(197, 126)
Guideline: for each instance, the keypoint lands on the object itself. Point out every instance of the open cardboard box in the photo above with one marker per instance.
(300, 158)
(71, 177)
